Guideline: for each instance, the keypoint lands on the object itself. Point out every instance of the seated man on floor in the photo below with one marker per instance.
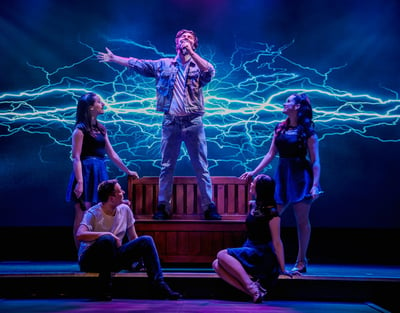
(101, 235)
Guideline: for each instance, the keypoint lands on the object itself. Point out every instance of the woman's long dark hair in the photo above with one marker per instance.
(83, 119)
(265, 190)
(304, 119)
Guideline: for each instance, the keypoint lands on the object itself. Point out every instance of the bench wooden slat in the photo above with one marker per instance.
(192, 198)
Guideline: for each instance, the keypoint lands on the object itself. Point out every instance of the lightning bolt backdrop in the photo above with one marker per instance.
(344, 55)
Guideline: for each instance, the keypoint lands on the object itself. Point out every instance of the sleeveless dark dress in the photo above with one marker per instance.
(257, 254)
(94, 169)
(293, 175)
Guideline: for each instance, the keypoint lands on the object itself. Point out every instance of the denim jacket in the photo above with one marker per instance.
(165, 72)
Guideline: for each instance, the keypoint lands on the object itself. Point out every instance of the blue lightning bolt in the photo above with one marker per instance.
(243, 106)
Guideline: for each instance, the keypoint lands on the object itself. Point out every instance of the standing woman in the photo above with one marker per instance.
(298, 172)
(90, 144)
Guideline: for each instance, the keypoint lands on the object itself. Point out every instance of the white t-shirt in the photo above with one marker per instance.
(95, 220)
(178, 100)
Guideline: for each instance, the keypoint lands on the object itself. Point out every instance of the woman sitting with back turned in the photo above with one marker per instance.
(256, 265)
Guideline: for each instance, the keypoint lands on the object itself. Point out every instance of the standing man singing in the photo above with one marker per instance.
(179, 83)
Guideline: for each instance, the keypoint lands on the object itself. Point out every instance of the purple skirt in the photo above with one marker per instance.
(293, 179)
(94, 171)
(259, 261)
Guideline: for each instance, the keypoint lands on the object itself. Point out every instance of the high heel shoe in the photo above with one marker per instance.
(300, 266)
(262, 290)
(257, 292)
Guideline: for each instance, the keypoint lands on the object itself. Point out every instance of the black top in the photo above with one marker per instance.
(92, 145)
(257, 224)
(291, 144)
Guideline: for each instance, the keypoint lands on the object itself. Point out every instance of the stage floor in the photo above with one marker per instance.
(183, 306)
(324, 288)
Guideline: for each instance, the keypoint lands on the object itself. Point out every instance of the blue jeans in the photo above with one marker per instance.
(190, 130)
(104, 257)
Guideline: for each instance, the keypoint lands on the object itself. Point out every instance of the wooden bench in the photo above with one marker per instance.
(187, 237)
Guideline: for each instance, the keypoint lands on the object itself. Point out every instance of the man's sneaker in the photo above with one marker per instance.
(163, 291)
(138, 266)
(162, 213)
(211, 213)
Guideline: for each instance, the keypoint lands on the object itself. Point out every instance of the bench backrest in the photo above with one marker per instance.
(230, 194)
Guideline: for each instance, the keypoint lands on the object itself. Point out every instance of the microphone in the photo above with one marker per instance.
(309, 196)
(184, 49)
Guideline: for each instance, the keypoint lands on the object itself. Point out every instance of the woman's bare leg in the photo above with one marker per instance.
(226, 276)
(77, 219)
(234, 269)
(302, 212)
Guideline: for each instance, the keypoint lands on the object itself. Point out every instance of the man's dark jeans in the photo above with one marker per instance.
(104, 257)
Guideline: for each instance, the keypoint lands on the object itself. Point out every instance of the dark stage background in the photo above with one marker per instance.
(343, 53)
